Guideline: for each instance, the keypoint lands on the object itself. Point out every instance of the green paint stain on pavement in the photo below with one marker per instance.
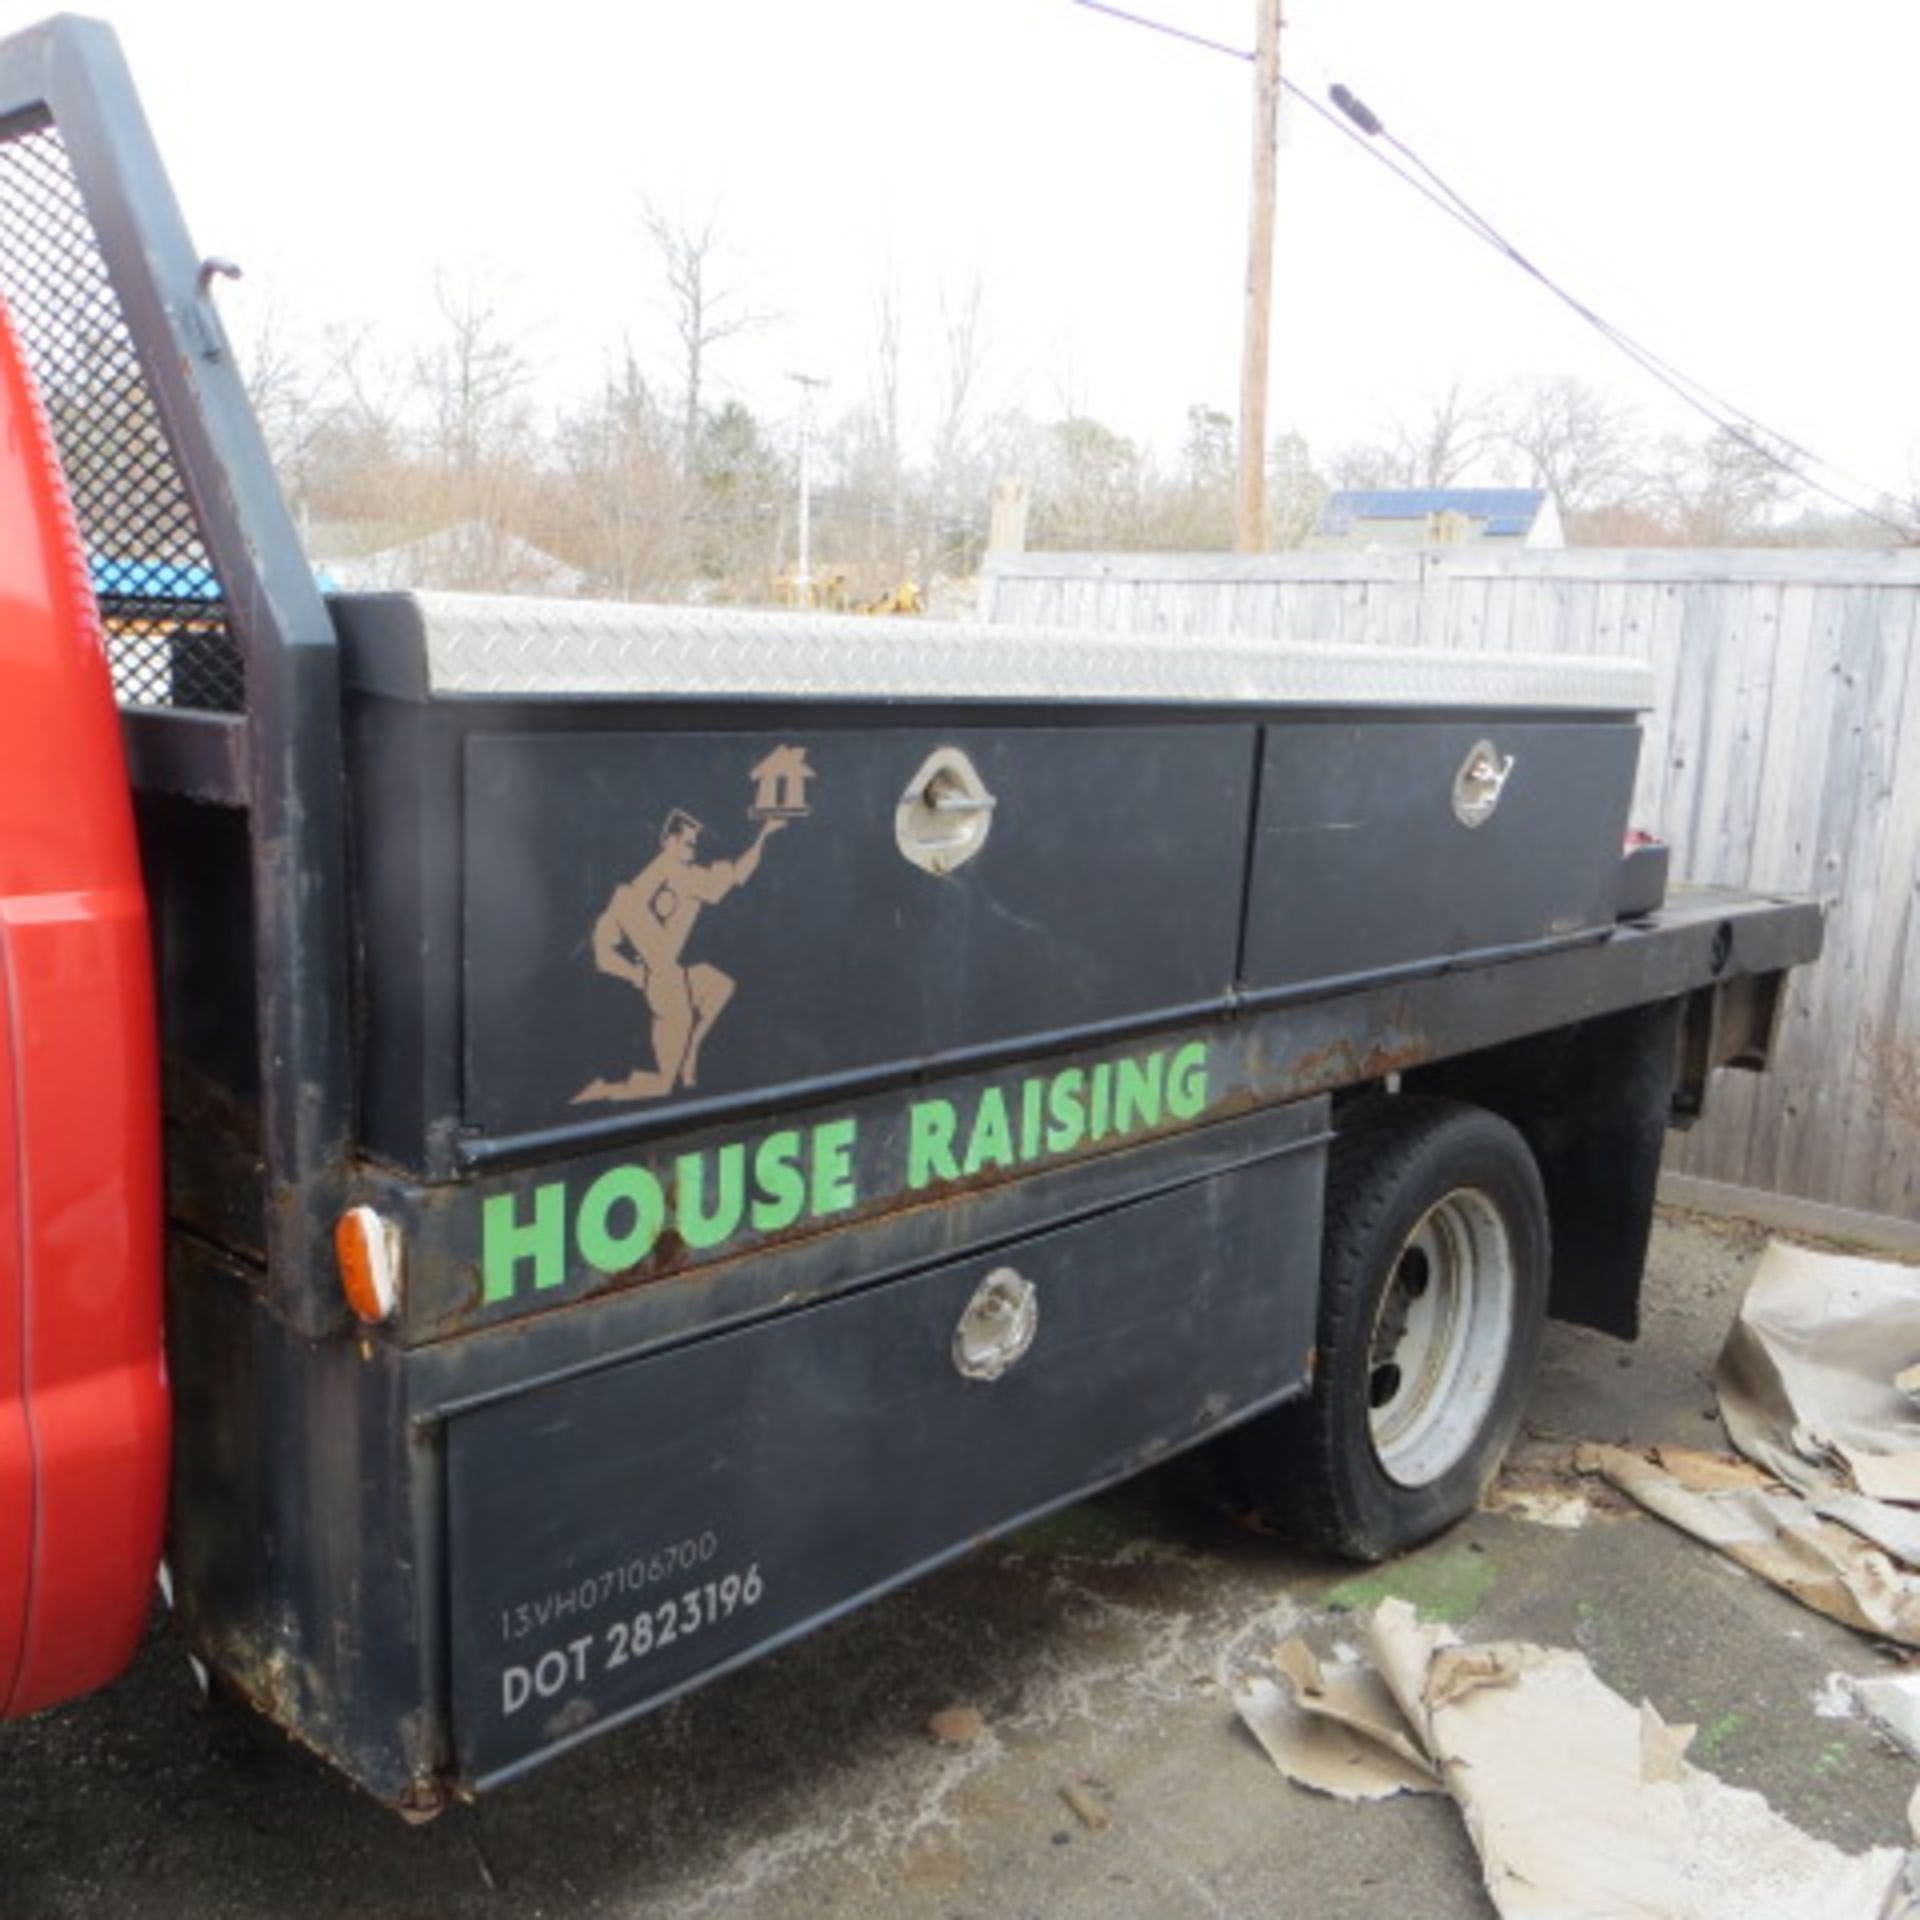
(1711, 1738)
(1446, 1586)
(1080, 1533)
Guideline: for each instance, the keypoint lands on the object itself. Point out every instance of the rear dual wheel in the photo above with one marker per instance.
(1433, 1291)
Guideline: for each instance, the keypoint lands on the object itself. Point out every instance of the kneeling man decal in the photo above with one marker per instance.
(641, 936)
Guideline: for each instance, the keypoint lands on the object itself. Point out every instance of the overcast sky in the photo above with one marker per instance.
(1729, 179)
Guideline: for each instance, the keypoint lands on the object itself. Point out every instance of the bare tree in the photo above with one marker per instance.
(1208, 452)
(473, 380)
(1066, 385)
(954, 475)
(744, 484)
(887, 505)
(963, 337)
(330, 413)
(475, 484)
(1439, 446)
(1193, 510)
(1295, 492)
(860, 504)
(620, 507)
(1724, 490)
(1367, 467)
(703, 309)
(282, 385)
(360, 382)
(885, 379)
(1444, 444)
(1090, 487)
(1583, 448)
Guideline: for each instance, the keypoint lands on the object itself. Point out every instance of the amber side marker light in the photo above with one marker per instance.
(367, 1248)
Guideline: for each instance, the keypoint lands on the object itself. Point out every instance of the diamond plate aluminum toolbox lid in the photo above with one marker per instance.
(417, 646)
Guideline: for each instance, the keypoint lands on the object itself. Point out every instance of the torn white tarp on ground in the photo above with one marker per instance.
(1815, 1386)
(1892, 1702)
(1334, 1727)
(1771, 1531)
(1809, 1377)
(1581, 1805)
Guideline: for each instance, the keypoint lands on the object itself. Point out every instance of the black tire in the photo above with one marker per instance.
(1423, 1197)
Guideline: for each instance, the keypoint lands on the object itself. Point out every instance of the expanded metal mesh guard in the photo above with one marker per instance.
(167, 634)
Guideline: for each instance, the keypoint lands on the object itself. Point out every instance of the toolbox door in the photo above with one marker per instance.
(1378, 849)
(616, 1536)
(656, 918)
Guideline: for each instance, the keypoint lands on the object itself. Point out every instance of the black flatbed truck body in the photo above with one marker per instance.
(617, 1406)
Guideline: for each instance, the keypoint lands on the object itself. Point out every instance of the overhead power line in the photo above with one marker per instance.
(1359, 123)
(1169, 29)
(1742, 426)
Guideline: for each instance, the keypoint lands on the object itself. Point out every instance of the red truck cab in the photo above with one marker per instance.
(83, 1394)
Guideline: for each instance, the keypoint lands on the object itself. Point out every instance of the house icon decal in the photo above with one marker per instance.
(780, 785)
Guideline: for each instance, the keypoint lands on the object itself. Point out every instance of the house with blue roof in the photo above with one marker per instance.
(1372, 519)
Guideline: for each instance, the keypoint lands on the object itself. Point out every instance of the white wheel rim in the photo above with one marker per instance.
(1440, 1339)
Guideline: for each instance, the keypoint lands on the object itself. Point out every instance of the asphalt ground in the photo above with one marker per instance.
(1106, 1774)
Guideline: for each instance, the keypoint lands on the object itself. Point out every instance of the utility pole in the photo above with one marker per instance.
(1250, 488)
(809, 384)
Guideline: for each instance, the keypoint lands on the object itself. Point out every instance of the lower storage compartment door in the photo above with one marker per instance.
(616, 1536)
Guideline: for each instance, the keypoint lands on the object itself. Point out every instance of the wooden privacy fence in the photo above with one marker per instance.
(1783, 755)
